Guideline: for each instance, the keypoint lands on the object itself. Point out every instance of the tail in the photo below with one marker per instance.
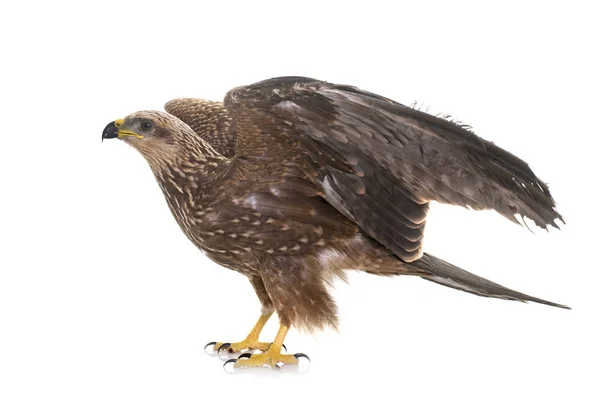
(450, 275)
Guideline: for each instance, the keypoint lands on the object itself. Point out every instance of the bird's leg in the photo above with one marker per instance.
(272, 356)
(251, 342)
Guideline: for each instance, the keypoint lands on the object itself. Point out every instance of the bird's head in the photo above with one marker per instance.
(157, 135)
(145, 128)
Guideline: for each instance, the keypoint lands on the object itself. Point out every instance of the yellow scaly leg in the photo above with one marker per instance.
(250, 343)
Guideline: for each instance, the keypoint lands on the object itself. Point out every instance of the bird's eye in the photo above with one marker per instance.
(146, 126)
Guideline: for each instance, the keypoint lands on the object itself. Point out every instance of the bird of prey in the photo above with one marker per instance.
(291, 181)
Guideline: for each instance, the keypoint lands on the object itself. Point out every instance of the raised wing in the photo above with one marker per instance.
(380, 162)
(209, 119)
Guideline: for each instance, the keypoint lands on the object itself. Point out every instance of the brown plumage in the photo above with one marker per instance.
(291, 181)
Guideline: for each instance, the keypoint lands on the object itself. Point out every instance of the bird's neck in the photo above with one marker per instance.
(187, 166)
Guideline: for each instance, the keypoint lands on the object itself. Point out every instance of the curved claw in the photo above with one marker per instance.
(245, 355)
(283, 345)
(224, 346)
(210, 344)
(229, 361)
(299, 355)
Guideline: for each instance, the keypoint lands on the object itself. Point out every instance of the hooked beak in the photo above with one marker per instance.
(113, 130)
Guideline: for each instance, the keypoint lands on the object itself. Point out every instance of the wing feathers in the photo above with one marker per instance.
(474, 172)
(380, 162)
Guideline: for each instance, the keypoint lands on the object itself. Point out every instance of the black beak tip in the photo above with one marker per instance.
(110, 132)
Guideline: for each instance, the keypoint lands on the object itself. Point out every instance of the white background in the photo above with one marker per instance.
(102, 296)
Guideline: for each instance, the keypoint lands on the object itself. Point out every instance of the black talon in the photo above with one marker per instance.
(229, 361)
(298, 355)
(245, 355)
(223, 347)
(210, 344)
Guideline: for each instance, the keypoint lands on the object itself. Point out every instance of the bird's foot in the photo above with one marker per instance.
(271, 358)
(237, 347)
